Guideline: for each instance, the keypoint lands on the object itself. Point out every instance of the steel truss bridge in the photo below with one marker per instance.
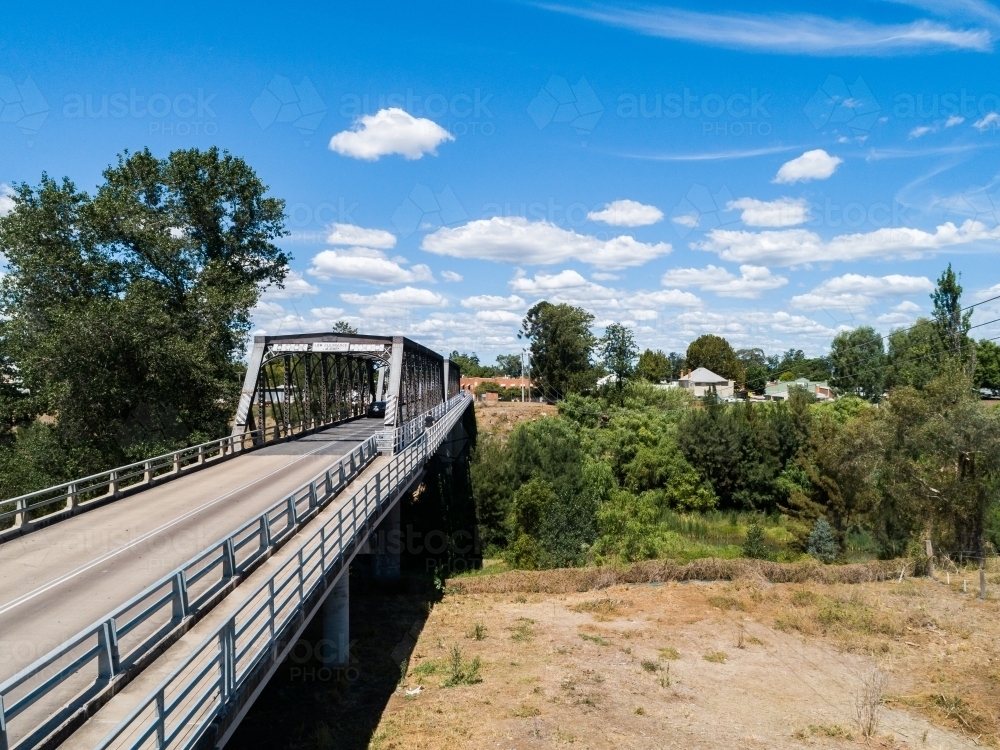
(177, 661)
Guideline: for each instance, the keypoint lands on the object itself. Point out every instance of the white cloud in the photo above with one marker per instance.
(494, 302)
(366, 264)
(990, 122)
(603, 276)
(327, 312)
(390, 131)
(907, 307)
(405, 297)
(513, 239)
(852, 291)
(921, 130)
(626, 213)
(295, 287)
(451, 276)
(752, 282)
(6, 201)
(953, 121)
(686, 220)
(812, 165)
(498, 316)
(792, 247)
(790, 33)
(783, 212)
(570, 287)
(349, 234)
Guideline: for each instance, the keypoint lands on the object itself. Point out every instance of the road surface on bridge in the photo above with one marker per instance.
(58, 580)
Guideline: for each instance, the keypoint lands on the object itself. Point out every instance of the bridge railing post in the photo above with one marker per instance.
(180, 596)
(107, 656)
(201, 454)
(228, 559)
(113, 484)
(72, 497)
(147, 472)
(227, 660)
(177, 463)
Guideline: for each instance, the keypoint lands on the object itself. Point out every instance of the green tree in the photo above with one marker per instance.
(952, 324)
(126, 314)
(794, 363)
(714, 353)
(821, 544)
(470, 366)
(755, 367)
(561, 348)
(988, 366)
(677, 364)
(618, 352)
(509, 365)
(342, 326)
(858, 362)
(653, 366)
(915, 355)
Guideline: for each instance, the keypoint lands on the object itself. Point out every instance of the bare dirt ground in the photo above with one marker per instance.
(744, 664)
(503, 415)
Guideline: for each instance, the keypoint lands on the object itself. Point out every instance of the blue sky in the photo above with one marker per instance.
(773, 176)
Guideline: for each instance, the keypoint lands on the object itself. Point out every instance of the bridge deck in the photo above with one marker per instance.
(108, 717)
(60, 579)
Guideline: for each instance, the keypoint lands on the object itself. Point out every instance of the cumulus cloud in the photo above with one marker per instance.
(366, 264)
(294, 287)
(990, 122)
(626, 213)
(791, 247)
(451, 276)
(753, 280)
(390, 131)
(570, 287)
(494, 302)
(349, 234)
(6, 201)
(783, 212)
(514, 239)
(812, 165)
(953, 121)
(407, 296)
(907, 307)
(852, 291)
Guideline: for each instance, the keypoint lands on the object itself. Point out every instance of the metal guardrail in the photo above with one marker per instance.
(180, 709)
(79, 494)
(86, 664)
(397, 439)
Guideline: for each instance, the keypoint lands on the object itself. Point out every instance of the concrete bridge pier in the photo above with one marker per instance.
(335, 646)
(385, 561)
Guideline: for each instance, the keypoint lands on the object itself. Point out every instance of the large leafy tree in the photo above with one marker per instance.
(714, 353)
(653, 366)
(618, 352)
(126, 313)
(915, 355)
(509, 365)
(952, 323)
(858, 362)
(561, 348)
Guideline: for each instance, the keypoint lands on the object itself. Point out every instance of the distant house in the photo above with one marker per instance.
(779, 391)
(702, 381)
(471, 384)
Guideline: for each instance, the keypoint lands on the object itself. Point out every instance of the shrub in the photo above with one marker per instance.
(754, 546)
(821, 544)
(461, 672)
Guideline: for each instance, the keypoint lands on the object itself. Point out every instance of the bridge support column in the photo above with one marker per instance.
(385, 561)
(335, 651)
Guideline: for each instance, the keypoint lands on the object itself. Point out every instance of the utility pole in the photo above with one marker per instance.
(522, 376)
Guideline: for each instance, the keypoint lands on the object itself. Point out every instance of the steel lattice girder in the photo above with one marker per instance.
(307, 380)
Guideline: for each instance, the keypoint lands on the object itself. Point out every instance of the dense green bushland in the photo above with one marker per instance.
(652, 473)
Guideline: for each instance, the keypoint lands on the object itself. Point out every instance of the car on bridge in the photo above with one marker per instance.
(376, 409)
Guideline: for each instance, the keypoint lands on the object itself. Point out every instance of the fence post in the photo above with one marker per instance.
(265, 532)
(113, 484)
(292, 515)
(161, 720)
(227, 657)
(72, 498)
(107, 656)
(201, 454)
(147, 472)
(21, 506)
(177, 463)
(228, 558)
(3, 728)
(180, 598)
(929, 549)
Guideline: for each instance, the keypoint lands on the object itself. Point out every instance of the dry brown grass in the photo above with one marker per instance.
(567, 580)
(763, 664)
(503, 416)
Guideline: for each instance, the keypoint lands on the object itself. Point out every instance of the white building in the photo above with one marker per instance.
(701, 381)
